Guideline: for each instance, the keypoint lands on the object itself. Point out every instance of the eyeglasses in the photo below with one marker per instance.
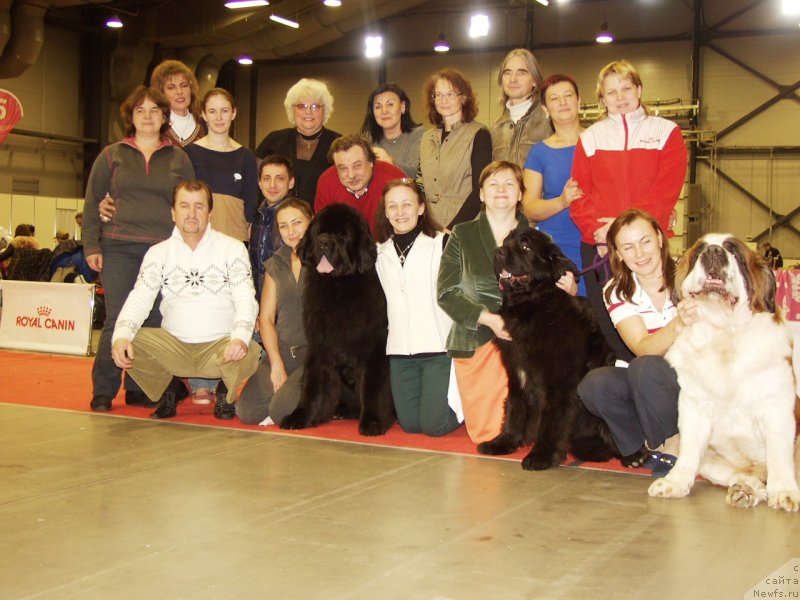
(311, 107)
(448, 95)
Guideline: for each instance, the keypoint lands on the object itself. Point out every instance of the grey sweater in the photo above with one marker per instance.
(142, 193)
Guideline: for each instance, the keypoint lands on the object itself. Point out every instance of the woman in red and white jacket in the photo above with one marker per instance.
(629, 159)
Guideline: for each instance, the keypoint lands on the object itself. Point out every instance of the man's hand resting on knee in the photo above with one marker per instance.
(236, 350)
(122, 353)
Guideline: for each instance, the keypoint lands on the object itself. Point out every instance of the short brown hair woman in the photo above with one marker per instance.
(139, 174)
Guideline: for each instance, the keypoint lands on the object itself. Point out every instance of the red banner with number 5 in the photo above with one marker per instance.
(10, 113)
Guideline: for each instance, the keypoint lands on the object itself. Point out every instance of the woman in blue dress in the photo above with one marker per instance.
(549, 190)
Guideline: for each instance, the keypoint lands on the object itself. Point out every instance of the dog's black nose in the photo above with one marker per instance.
(501, 252)
(714, 257)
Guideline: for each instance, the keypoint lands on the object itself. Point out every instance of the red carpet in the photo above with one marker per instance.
(64, 382)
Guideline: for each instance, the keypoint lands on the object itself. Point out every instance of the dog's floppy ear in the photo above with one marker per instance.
(759, 279)
(305, 248)
(562, 263)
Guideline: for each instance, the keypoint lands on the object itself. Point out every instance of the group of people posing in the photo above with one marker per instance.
(439, 201)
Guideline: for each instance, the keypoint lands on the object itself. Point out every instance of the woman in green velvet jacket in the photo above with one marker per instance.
(468, 292)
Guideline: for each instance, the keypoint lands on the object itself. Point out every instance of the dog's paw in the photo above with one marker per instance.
(788, 501)
(539, 461)
(297, 420)
(668, 488)
(372, 427)
(502, 444)
(746, 493)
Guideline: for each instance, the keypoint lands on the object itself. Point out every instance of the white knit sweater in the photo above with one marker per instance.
(207, 293)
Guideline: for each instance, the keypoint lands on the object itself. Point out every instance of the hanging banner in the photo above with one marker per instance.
(10, 113)
(48, 317)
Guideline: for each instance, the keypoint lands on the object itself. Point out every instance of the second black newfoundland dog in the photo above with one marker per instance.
(344, 313)
(555, 341)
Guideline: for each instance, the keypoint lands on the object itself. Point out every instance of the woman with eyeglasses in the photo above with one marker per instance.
(455, 151)
(409, 252)
(390, 127)
(308, 106)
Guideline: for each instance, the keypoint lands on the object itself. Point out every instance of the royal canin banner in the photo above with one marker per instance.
(48, 317)
(10, 113)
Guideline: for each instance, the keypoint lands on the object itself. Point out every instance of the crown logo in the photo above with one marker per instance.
(43, 311)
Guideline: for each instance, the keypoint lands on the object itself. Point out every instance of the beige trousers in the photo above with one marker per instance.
(158, 356)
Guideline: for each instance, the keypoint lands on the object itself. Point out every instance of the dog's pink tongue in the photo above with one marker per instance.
(324, 265)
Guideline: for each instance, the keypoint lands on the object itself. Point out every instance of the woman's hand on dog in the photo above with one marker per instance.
(494, 322)
(687, 312)
(568, 283)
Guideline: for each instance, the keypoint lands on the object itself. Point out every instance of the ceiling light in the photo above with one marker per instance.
(441, 44)
(333, 3)
(245, 60)
(114, 22)
(543, 2)
(604, 37)
(284, 21)
(246, 3)
(791, 7)
(373, 46)
(478, 26)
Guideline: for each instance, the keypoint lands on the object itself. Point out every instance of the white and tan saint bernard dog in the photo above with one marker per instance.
(736, 410)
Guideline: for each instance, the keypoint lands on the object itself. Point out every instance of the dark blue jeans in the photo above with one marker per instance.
(121, 262)
(639, 404)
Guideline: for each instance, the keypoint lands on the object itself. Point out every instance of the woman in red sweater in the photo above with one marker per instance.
(629, 159)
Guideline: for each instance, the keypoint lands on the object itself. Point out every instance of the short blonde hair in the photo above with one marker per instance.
(622, 69)
(308, 88)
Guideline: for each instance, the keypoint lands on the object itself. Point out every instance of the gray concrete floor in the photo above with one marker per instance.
(106, 507)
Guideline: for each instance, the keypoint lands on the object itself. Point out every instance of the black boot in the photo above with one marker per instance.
(166, 406)
(138, 398)
(223, 410)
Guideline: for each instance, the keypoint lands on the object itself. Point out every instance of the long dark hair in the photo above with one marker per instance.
(383, 228)
(370, 126)
(622, 282)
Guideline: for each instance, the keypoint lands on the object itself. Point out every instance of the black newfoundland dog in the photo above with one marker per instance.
(555, 341)
(344, 313)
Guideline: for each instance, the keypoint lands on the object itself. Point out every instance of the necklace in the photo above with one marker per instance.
(309, 140)
(401, 254)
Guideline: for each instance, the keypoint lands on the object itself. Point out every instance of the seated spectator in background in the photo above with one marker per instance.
(22, 231)
(274, 390)
(23, 259)
(79, 222)
(208, 310)
(394, 133)
(356, 177)
(61, 236)
(276, 181)
(773, 256)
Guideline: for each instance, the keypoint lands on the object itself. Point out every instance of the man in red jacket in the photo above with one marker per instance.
(356, 177)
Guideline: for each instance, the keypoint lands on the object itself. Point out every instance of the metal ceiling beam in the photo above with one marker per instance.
(787, 91)
(780, 221)
(752, 70)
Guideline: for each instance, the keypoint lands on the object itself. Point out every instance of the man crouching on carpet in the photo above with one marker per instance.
(208, 310)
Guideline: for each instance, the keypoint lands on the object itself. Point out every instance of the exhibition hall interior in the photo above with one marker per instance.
(170, 172)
